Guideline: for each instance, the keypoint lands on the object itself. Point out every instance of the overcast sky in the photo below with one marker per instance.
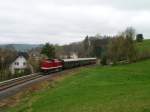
(65, 21)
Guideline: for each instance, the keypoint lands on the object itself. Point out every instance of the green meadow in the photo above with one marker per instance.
(122, 88)
(144, 46)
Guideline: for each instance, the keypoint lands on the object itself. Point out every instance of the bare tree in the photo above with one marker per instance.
(122, 47)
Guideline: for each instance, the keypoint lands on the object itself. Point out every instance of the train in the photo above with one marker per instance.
(50, 65)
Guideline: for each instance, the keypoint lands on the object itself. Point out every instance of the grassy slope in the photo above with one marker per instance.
(124, 88)
(145, 45)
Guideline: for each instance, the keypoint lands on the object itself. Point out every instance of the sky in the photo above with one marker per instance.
(65, 21)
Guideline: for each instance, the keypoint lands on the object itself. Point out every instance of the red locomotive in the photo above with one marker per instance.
(49, 65)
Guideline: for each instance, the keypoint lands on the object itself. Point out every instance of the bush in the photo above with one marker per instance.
(104, 60)
(5, 74)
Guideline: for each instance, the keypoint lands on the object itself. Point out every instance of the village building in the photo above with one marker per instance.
(19, 64)
(71, 55)
(63, 56)
(74, 55)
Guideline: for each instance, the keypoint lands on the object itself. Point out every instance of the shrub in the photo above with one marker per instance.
(104, 60)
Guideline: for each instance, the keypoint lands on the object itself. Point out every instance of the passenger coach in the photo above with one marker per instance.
(70, 63)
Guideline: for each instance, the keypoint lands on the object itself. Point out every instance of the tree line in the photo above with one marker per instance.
(93, 46)
(109, 49)
(7, 55)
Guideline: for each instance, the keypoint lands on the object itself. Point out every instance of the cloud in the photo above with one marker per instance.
(65, 21)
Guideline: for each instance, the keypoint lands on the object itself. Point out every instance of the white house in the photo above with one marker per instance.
(73, 55)
(19, 65)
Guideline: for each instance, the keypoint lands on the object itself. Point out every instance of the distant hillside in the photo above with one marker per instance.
(20, 47)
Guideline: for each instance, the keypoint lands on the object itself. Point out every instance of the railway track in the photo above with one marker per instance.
(11, 87)
(14, 82)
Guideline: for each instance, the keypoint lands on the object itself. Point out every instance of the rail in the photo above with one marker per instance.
(16, 81)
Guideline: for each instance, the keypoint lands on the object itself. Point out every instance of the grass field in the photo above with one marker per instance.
(144, 46)
(123, 88)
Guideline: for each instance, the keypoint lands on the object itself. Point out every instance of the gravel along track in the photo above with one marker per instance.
(11, 87)
(13, 82)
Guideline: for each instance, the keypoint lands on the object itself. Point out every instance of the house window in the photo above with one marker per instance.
(16, 63)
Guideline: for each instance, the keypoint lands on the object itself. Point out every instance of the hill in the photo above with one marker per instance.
(145, 45)
(122, 88)
(20, 47)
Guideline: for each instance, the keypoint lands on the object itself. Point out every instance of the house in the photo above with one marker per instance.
(74, 55)
(71, 55)
(35, 54)
(63, 56)
(20, 64)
